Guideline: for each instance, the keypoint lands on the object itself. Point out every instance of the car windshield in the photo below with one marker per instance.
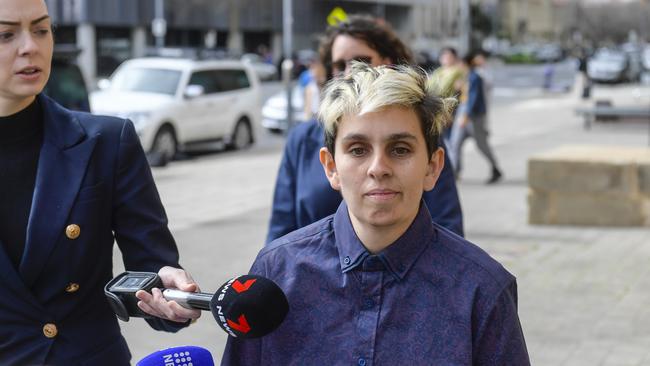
(148, 80)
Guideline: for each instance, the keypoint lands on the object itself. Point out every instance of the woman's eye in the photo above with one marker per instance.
(42, 32)
(5, 36)
(357, 151)
(401, 151)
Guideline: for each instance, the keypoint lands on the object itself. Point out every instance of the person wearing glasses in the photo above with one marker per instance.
(71, 184)
(302, 194)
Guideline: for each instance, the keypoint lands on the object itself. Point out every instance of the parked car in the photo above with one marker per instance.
(274, 111)
(66, 84)
(549, 52)
(183, 104)
(609, 65)
(264, 70)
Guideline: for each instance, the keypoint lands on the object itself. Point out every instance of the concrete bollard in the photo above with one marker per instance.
(590, 185)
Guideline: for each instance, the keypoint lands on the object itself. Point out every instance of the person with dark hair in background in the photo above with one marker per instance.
(302, 193)
(471, 120)
(70, 185)
(378, 282)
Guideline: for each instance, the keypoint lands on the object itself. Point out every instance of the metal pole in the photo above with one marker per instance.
(287, 64)
(465, 27)
(160, 15)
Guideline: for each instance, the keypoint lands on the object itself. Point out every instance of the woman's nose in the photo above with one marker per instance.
(379, 166)
(28, 44)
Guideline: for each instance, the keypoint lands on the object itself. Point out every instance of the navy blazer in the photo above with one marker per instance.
(91, 172)
(303, 194)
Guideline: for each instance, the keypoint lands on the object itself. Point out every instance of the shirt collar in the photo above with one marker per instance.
(398, 257)
(351, 251)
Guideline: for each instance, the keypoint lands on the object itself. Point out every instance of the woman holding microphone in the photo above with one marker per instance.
(71, 184)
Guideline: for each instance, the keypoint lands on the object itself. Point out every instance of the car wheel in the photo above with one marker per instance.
(164, 146)
(242, 136)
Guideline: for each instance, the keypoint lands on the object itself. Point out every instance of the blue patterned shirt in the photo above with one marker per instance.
(430, 298)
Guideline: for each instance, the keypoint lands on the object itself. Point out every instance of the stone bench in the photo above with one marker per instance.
(590, 185)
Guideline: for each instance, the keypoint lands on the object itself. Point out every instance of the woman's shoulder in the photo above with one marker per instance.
(65, 119)
(305, 132)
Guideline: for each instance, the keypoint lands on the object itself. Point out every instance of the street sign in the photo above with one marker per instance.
(336, 16)
(159, 27)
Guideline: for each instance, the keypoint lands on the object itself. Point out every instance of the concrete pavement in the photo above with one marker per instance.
(584, 292)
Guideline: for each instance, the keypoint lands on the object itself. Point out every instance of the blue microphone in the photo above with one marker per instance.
(179, 356)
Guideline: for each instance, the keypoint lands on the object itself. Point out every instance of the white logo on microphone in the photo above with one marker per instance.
(178, 359)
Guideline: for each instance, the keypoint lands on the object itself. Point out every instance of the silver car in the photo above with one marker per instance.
(610, 66)
(274, 111)
(183, 104)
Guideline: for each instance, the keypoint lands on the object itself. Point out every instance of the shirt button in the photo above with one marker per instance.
(362, 361)
(368, 303)
(50, 330)
(72, 287)
(346, 260)
(72, 231)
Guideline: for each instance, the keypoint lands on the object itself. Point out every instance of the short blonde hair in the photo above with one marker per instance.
(369, 89)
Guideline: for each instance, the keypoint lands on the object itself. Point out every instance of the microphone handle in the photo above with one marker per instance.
(189, 300)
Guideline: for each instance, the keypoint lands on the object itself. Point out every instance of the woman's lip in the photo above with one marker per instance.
(381, 193)
(30, 77)
(30, 67)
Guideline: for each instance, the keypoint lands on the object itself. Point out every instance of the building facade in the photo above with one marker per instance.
(109, 32)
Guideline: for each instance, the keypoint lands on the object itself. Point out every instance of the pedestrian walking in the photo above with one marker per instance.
(471, 120)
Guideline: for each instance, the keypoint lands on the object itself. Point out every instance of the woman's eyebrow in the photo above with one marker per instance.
(38, 20)
(35, 21)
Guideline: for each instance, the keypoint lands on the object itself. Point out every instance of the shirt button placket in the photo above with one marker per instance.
(369, 315)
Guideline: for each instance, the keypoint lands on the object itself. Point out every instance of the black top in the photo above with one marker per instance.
(21, 136)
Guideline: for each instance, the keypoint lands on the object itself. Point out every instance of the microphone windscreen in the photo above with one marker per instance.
(179, 356)
(249, 306)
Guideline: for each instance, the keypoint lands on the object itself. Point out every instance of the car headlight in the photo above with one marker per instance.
(140, 119)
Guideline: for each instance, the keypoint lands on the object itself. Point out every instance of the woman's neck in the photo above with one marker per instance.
(12, 106)
(377, 238)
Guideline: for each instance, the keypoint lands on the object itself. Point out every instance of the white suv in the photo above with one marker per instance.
(180, 104)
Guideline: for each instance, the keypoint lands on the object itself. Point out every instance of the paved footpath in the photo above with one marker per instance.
(584, 292)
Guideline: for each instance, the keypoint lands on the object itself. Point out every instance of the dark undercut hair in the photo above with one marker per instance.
(376, 33)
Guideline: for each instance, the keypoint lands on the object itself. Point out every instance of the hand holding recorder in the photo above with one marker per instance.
(246, 306)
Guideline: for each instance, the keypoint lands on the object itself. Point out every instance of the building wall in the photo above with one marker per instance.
(529, 18)
(109, 31)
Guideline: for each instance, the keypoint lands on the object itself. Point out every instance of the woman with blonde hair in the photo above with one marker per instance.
(302, 194)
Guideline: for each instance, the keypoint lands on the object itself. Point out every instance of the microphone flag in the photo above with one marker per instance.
(179, 356)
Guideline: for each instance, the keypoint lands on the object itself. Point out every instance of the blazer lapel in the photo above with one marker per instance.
(61, 167)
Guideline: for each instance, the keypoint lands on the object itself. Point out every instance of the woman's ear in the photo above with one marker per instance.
(329, 166)
(434, 168)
